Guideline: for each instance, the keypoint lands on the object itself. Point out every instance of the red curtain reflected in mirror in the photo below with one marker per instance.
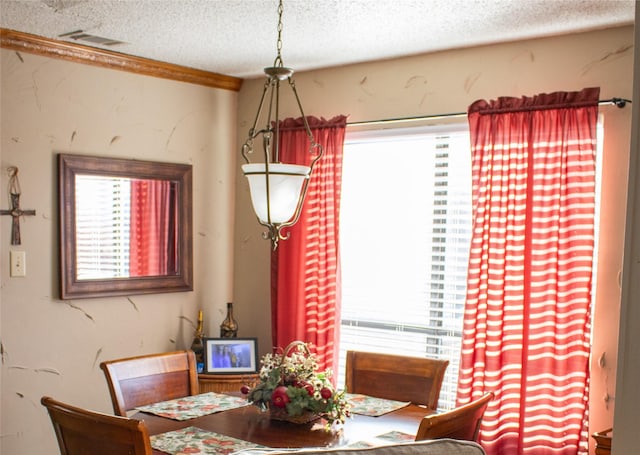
(153, 242)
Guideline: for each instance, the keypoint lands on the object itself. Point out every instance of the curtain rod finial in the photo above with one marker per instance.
(619, 102)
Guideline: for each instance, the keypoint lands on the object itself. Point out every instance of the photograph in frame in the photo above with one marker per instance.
(230, 355)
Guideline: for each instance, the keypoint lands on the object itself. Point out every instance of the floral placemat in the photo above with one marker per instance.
(194, 406)
(196, 440)
(397, 436)
(391, 437)
(372, 406)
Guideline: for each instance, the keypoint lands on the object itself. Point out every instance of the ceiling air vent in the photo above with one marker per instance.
(80, 35)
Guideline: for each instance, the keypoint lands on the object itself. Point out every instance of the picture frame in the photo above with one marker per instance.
(231, 355)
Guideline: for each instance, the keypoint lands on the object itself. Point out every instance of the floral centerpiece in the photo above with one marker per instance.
(292, 389)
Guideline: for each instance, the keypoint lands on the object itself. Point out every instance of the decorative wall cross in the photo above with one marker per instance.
(16, 212)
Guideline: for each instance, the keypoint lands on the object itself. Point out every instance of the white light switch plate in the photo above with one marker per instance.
(18, 263)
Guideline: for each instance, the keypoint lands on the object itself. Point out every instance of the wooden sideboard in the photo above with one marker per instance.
(225, 382)
(603, 442)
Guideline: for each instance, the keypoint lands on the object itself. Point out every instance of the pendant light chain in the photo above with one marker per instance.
(278, 61)
(288, 182)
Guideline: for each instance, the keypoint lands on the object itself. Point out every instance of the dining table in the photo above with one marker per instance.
(249, 423)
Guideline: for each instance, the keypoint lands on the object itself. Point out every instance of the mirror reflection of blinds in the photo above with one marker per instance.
(102, 227)
(404, 264)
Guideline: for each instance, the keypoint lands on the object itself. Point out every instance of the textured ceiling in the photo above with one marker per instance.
(238, 37)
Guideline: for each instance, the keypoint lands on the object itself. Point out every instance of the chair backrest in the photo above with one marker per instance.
(82, 432)
(459, 423)
(142, 380)
(395, 377)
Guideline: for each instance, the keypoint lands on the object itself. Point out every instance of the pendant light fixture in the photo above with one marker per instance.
(277, 189)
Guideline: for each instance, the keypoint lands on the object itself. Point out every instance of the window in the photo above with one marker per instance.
(404, 235)
(102, 227)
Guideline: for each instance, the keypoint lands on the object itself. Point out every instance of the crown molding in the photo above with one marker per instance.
(33, 44)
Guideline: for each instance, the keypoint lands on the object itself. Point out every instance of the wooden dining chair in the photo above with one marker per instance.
(460, 423)
(395, 377)
(142, 380)
(82, 432)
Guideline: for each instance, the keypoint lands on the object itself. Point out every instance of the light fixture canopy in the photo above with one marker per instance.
(277, 189)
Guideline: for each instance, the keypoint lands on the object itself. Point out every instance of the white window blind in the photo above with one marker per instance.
(405, 226)
(102, 226)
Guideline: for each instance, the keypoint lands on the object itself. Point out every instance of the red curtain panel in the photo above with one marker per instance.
(526, 330)
(305, 275)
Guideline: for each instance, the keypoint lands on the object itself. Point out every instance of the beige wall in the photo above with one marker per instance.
(448, 82)
(54, 347)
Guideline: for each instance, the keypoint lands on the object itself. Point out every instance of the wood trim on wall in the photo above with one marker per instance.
(25, 42)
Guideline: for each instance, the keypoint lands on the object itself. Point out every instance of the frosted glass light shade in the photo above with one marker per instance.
(285, 183)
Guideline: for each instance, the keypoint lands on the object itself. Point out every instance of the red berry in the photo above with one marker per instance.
(244, 389)
(307, 386)
(326, 393)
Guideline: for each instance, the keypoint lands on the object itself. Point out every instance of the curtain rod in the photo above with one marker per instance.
(618, 102)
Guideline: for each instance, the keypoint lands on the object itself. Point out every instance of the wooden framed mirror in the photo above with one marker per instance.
(125, 226)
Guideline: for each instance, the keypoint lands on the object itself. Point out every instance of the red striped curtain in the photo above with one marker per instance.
(305, 294)
(527, 316)
(152, 242)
